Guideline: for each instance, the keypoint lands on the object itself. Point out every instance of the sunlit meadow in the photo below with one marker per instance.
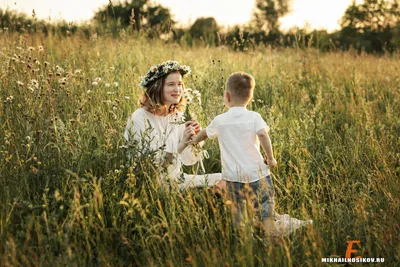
(69, 196)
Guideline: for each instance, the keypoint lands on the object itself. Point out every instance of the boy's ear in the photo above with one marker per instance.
(228, 96)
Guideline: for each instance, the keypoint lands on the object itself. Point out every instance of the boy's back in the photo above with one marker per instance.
(241, 158)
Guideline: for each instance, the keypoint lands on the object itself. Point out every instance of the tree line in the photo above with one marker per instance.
(372, 26)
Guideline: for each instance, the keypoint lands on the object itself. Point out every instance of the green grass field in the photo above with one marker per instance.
(68, 197)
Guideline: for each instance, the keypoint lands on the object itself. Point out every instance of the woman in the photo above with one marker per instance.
(158, 125)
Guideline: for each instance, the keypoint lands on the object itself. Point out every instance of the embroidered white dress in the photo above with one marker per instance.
(162, 134)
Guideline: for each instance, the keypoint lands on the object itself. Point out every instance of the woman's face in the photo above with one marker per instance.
(173, 88)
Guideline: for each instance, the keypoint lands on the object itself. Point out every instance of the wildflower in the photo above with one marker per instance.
(77, 71)
(88, 91)
(62, 80)
(94, 83)
(20, 83)
(40, 49)
(34, 83)
(107, 85)
(187, 95)
(34, 170)
(97, 79)
(28, 138)
(188, 99)
(197, 94)
(31, 48)
(127, 97)
(46, 63)
(59, 69)
(115, 84)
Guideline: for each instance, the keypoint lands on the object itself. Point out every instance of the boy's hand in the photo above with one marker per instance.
(189, 143)
(195, 124)
(271, 163)
(192, 141)
(196, 138)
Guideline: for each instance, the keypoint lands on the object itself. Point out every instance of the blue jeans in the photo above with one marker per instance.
(260, 193)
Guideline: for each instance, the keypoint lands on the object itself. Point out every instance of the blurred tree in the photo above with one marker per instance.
(395, 42)
(239, 38)
(136, 7)
(267, 14)
(13, 20)
(370, 26)
(159, 16)
(158, 22)
(206, 29)
(137, 13)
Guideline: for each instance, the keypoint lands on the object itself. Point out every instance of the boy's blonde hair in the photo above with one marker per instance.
(241, 86)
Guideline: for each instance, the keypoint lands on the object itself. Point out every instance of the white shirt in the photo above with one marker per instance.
(241, 158)
(162, 134)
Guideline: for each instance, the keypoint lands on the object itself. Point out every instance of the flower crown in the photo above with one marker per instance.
(162, 69)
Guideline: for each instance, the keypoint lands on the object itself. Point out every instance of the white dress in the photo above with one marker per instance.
(162, 134)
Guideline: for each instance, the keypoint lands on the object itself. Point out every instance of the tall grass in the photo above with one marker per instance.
(69, 197)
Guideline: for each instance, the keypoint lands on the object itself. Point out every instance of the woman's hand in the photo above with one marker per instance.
(192, 128)
(188, 133)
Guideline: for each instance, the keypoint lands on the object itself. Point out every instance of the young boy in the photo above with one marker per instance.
(240, 133)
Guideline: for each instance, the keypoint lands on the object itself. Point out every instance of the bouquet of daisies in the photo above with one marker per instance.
(193, 106)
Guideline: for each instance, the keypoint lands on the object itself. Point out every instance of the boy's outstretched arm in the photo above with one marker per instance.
(202, 135)
(265, 142)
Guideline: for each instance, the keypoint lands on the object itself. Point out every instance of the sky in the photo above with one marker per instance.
(316, 14)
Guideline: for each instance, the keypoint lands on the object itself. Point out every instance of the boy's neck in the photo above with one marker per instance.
(238, 106)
